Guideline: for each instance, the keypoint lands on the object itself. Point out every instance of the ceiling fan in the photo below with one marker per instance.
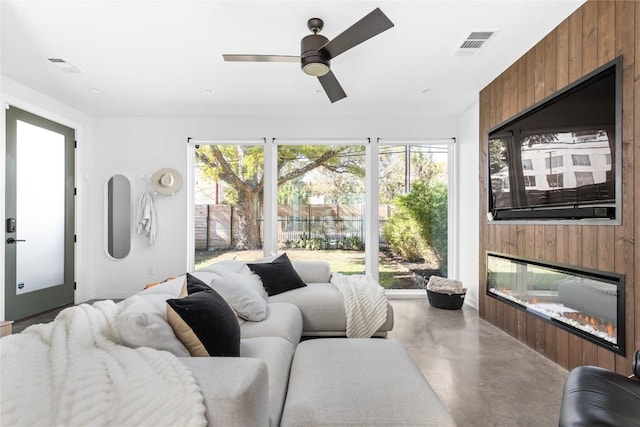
(316, 51)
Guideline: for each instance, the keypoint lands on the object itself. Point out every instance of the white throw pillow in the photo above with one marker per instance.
(142, 322)
(244, 293)
(171, 287)
(225, 266)
(206, 276)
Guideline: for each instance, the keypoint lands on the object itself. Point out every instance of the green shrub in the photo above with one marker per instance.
(351, 243)
(426, 208)
(402, 234)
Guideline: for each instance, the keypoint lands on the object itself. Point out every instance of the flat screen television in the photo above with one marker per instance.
(561, 158)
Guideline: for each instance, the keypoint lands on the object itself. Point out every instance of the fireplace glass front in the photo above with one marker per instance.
(587, 303)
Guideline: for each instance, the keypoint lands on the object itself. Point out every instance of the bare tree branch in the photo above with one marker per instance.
(320, 161)
(226, 172)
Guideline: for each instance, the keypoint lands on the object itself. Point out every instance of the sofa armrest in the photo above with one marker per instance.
(313, 271)
(235, 389)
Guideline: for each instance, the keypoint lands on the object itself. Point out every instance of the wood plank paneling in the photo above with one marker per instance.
(589, 37)
(562, 54)
(633, 293)
(561, 244)
(637, 41)
(513, 322)
(606, 359)
(550, 344)
(589, 353)
(562, 348)
(589, 247)
(550, 64)
(575, 45)
(574, 255)
(575, 351)
(522, 84)
(606, 31)
(539, 71)
(593, 35)
(549, 243)
(522, 326)
(541, 335)
(531, 331)
(634, 304)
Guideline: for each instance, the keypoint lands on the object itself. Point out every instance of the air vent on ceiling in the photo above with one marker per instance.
(64, 65)
(473, 42)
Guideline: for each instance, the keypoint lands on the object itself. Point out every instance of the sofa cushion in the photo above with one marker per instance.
(224, 266)
(169, 286)
(283, 320)
(332, 380)
(313, 271)
(277, 276)
(204, 322)
(321, 304)
(142, 322)
(235, 389)
(242, 291)
(277, 353)
(242, 294)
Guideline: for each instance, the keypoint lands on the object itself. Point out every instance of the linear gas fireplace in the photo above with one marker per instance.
(585, 302)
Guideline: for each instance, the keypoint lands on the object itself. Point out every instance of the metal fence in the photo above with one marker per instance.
(215, 227)
(326, 233)
(321, 233)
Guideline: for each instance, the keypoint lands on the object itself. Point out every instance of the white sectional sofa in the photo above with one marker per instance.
(321, 303)
(254, 389)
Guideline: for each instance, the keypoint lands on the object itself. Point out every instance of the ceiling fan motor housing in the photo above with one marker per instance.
(314, 62)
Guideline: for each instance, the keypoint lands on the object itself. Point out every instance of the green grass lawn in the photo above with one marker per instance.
(392, 273)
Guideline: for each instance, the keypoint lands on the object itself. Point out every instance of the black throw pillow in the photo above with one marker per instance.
(278, 276)
(195, 285)
(204, 322)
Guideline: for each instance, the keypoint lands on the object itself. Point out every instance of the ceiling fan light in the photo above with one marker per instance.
(316, 69)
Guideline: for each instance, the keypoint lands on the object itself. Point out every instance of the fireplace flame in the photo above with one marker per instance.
(597, 324)
(589, 324)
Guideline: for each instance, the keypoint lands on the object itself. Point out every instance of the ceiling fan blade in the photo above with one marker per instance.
(369, 26)
(261, 58)
(332, 87)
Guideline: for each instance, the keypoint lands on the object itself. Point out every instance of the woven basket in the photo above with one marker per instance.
(446, 301)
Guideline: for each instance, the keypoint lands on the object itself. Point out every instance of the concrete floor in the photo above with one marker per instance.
(483, 376)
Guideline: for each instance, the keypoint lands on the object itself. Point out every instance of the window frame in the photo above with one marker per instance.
(372, 153)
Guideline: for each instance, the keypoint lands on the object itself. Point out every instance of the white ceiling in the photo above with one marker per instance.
(157, 58)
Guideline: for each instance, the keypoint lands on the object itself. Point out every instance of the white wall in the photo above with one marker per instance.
(468, 201)
(136, 147)
(140, 146)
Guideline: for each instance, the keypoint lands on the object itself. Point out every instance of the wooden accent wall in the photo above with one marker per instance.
(593, 35)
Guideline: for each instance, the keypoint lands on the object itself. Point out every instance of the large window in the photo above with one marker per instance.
(321, 204)
(363, 206)
(413, 214)
(228, 201)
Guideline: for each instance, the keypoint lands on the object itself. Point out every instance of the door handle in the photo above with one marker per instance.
(11, 240)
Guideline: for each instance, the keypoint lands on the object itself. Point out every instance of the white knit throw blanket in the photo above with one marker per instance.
(364, 302)
(73, 372)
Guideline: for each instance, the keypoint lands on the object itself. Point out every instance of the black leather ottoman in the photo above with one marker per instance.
(598, 397)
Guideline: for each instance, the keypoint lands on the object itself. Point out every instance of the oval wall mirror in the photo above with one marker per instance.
(118, 216)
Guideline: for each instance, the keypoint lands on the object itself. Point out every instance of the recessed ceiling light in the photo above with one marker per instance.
(96, 91)
(426, 91)
(209, 91)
